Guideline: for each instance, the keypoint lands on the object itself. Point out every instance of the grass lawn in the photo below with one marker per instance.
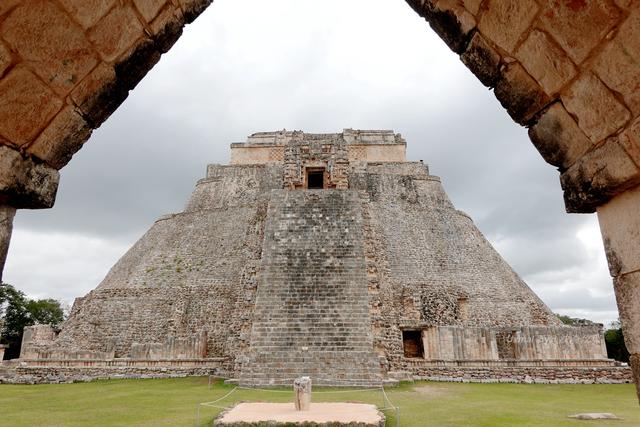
(173, 402)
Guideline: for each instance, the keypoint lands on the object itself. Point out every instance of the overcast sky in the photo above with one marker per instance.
(252, 65)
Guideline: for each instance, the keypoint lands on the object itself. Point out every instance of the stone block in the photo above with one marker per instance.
(598, 112)
(504, 22)
(598, 176)
(98, 95)
(136, 63)
(5, 58)
(25, 184)
(87, 12)
(558, 138)
(55, 46)
(61, 139)
(519, 93)
(451, 21)
(6, 227)
(466, 20)
(482, 60)
(579, 25)
(630, 141)
(545, 61)
(627, 289)
(27, 105)
(417, 6)
(624, 4)
(635, 367)
(193, 8)
(620, 227)
(302, 388)
(472, 6)
(167, 28)
(149, 8)
(116, 32)
(618, 65)
(7, 5)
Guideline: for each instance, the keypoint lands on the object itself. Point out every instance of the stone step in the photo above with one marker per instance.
(312, 293)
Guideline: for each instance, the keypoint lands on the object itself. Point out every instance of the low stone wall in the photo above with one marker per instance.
(416, 363)
(54, 375)
(123, 363)
(521, 343)
(523, 374)
(44, 371)
(540, 372)
(173, 348)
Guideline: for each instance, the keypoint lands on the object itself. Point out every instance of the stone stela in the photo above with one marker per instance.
(327, 255)
(302, 390)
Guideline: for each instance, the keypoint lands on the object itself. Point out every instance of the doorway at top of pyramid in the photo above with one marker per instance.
(315, 178)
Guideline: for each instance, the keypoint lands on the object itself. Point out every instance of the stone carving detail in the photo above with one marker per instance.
(306, 150)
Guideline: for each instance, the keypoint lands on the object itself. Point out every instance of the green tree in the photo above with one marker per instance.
(17, 311)
(614, 340)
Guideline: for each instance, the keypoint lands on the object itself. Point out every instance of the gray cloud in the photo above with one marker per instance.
(249, 65)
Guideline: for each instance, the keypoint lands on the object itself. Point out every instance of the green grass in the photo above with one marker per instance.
(172, 402)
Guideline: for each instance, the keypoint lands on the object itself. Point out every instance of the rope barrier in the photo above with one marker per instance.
(212, 405)
(387, 405)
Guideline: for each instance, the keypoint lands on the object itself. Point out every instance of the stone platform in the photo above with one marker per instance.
(285, 414)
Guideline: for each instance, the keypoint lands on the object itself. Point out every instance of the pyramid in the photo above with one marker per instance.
(328, 255)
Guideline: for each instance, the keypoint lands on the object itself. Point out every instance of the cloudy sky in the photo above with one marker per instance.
(251, 65)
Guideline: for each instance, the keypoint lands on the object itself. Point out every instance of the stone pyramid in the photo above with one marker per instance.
(326, 255)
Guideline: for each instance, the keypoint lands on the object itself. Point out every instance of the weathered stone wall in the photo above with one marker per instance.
(517, 343)
(59, 374)
(194, 347)
(362, 146)
(506, 374)
(38, 343)
(191, 272)
(429, 265)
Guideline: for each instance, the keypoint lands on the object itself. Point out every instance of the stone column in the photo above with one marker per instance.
(302, 388)
(620, 226)
(6, 227)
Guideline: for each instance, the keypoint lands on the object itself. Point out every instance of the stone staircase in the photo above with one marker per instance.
(312, 313)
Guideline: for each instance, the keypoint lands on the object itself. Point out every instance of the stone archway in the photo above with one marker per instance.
(566, 69)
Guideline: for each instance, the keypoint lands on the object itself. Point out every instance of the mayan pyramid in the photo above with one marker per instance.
(327, 255)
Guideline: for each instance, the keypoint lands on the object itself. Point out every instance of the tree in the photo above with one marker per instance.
(17, 311)
(614, 340)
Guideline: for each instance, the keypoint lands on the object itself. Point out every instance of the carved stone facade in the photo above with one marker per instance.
(370, 273)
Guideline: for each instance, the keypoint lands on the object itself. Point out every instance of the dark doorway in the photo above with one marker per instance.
(412, 344)
(315, 179)
(506, 344)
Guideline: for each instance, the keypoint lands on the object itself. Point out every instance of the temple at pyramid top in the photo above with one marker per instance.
(319, 160)
(361, 145)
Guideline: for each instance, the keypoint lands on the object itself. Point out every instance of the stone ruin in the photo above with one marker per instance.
(321, 255)
(565, 70)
